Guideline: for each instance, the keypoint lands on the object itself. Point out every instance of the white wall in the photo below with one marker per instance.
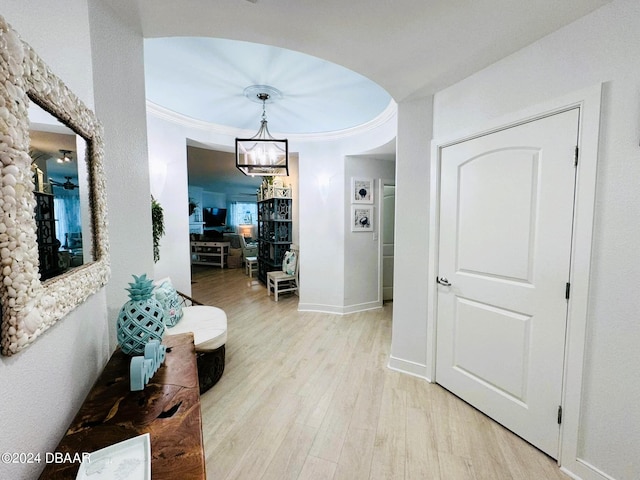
(323, 219)
(602, 47)
(321, 230)
(167, 164)
(409, 329)
(118, 73)
(42, 387)
(362, 249)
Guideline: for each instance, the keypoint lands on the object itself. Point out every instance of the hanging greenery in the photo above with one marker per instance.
(157, 220)
(192, 206)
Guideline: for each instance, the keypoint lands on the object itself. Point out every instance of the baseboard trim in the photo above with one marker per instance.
(362, 307)
(410, 368)
(582, 470)
(316, 307)
(338, 310)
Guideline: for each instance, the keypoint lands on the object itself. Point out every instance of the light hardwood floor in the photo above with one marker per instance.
(309, 396)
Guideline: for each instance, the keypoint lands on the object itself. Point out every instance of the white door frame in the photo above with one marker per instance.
(588, 100)
(381, 184)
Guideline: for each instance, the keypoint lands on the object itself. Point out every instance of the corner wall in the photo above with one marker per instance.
(118, 70)
(321, 230)
(409, 340)
(325, 177)
(362, 266)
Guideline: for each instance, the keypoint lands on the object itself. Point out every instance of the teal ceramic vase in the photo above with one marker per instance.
(141, 318)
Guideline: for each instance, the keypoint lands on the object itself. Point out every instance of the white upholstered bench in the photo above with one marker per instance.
(209, 327)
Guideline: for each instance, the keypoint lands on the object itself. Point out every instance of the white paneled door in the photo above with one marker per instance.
(506, 212)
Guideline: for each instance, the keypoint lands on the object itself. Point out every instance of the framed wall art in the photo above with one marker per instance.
(362, 218)
(361, 190)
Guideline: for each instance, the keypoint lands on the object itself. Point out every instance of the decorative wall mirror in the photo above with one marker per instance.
(30, 305)
(60, 178)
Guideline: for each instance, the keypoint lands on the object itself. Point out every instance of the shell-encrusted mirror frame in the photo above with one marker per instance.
(29, 306)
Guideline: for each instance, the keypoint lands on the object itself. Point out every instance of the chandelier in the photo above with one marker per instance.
(65, 156)
(262, 154)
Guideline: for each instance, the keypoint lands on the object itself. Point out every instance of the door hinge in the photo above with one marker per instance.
(559, 414)
(567, 291)
(575, 158)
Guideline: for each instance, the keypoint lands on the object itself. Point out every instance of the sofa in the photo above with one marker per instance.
(237, 241)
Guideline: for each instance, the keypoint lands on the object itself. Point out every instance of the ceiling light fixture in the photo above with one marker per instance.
(262, 154)
(66, 156)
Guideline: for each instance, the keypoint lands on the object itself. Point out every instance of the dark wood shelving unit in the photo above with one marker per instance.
(275, 229)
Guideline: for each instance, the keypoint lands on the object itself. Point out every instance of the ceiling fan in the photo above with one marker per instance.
(68, 185)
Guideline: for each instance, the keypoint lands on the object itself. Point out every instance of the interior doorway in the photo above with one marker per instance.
(387, 238)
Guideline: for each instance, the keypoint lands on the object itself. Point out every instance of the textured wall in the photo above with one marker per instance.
(118, 73)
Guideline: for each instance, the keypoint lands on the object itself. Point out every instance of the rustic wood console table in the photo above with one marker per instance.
(168, 409)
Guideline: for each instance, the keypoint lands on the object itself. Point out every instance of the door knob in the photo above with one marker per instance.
(443, 281)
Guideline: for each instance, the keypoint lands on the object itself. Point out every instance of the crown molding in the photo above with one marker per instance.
(388, 114)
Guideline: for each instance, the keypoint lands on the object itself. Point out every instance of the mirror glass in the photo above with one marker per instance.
(60, 190)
